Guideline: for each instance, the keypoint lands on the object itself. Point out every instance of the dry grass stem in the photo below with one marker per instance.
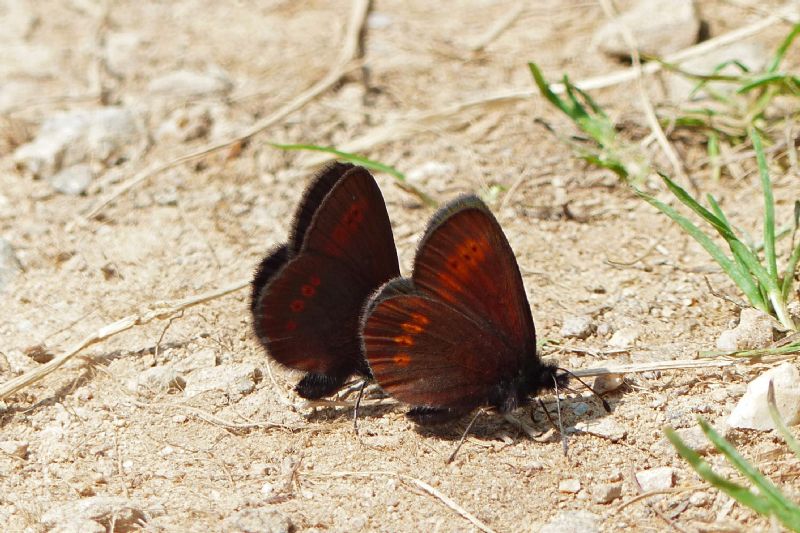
(346, 61)
(410, 123)
(425, 487)
(138, 319)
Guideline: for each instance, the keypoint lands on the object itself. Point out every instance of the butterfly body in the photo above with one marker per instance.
(307, 293)
(457, 334)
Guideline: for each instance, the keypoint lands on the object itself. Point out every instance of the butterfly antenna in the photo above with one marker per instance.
(358, 404)
(606, 406)
(560, 424)
(464, 436)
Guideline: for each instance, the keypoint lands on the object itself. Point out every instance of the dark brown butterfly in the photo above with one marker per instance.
(458, 334)
(307, 294)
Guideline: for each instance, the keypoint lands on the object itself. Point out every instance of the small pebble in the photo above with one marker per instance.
(572, 522)
(15, 448)
(607, 492)
(606, 427)
(623, 338)
(580, 408)
(578, 327)
(659, 478)
(569, 486)
(752, 411)
(608, 383)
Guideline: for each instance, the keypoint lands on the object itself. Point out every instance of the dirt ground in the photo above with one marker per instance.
(223, 459)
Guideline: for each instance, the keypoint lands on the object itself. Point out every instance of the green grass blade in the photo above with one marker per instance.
(364, 162)
(552, 97)
(788, 275)
(733, 270)
(779, 423)
(741, 251)
(764, 80)
(769, 206)
(783, 48)
(714, 156)
(687, 200)
(758, 503)
(761, 352)
(765, 486)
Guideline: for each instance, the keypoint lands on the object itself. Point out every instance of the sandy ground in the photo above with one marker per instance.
(223, 459)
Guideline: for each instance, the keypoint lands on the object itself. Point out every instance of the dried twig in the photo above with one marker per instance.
(446, 500)
(649, 111)
(498, 28)
(345, 62)
(109, 330)
(409, 123)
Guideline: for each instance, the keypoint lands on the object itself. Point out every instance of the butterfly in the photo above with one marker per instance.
(458, 334)
(307, 294)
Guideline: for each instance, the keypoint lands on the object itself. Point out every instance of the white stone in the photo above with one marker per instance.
(659, 27)
(660, 478)
(123, 513)
(259, 519)
(752, 411)
(573, 522)
(624, 338)
(205, 358)
(185, 124)
(15, 448)
(753, 331)
(72, 180)
(188, 83)
(79, 525)
(578, 327)
(122, 51)
(606, 492)
(569, 486)
(157, 380)
(97, 135)
(605, 427)
(9, 264)
(235, 380)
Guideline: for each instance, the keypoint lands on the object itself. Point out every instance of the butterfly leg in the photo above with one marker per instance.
(434, 416)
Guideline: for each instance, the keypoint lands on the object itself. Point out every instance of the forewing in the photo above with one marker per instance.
(313, 197)
(465, 260)
(308, 316)
(425, 353)
(352, 227)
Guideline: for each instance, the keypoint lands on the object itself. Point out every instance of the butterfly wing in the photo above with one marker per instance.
(426, 353)
(308, 316)
(465, 261)
(352, 228)
(312, 199)
(306, 311)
